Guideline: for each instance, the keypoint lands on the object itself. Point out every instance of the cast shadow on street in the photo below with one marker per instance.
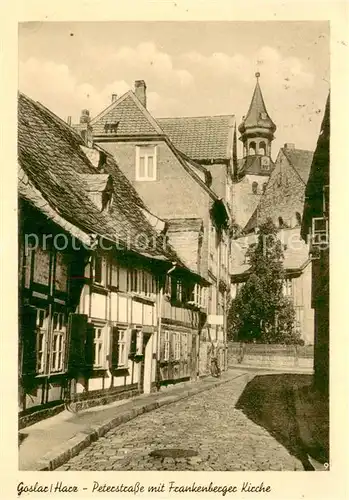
(274, 403)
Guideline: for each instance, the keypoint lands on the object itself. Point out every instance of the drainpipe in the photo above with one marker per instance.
(161, 296)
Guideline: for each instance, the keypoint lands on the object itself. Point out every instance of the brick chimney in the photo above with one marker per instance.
(141, 91)
(289, 145)
(114, 97)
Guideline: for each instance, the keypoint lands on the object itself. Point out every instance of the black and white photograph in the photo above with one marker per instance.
(173, 248)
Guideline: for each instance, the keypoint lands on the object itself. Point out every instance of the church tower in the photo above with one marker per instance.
(257, 132)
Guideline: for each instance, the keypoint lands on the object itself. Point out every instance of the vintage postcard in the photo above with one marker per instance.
(172, 211)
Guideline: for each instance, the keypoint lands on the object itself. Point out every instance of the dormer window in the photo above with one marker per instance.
(146, 163)
(264, 116)
(111, 128)
(100, 189)
(255, 187)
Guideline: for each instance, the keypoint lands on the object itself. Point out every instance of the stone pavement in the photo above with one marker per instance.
(207, 423)
(48, 444)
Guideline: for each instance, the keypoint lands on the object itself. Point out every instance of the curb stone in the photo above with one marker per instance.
(73, 446)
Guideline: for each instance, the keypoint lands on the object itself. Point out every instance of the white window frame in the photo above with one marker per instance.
(122, 347)
(288, 287)
(58, 343)
(99, 341)
(166, 345)
(317, 234)
(42, 332)
(146, 177)
(184, 345)
(177, 346)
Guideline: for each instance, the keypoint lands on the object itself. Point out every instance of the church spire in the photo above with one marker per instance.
(257, 128)
(257, 115)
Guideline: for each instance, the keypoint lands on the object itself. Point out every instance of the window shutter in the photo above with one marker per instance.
(162, 346)
(89, 347)
(28, 339)
(133, 348)
(172, 346)
(77, 325)
(114, 355)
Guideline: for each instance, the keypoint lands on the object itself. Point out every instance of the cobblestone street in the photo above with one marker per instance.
(223, 437)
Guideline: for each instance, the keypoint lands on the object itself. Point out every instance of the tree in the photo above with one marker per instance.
(260, 312)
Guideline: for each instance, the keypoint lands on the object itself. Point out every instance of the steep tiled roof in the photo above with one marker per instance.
(257, 115)
(184, 236)
(49, 153)
(301, 160)
(125, 117)
(202, 138)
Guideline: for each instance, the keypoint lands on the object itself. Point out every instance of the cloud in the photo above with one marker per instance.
(57, 88)
(277, 71)
(144, 61)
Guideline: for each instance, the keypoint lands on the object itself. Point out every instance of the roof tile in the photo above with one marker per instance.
(202, 138)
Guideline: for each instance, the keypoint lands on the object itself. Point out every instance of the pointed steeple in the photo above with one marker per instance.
(257, 116)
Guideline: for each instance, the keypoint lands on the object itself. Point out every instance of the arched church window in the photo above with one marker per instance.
(254, 187)
(264, 186)
(281, 222)
(262, 148)
(252, 148)
(298, 219)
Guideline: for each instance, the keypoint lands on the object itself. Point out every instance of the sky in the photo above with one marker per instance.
(190, 69)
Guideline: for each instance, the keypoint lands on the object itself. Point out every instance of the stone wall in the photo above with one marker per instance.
(270, 356)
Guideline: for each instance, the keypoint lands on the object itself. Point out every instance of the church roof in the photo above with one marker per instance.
(202, 138)
(257, 115)
(301, 160)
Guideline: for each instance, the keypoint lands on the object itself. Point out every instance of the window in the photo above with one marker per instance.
(262, 148)
(320, 233)
(58, 341)
(252, 148)
(264, 187)
(114, 274)
(98, 343)
(177, 346)
(133, 280)
(61, 273)
(146, 163)
(255, 187)
(41, 266)
(298, 219)
(184, 345)
(122, 347)
(141, 282)
(287, 287)
(41, 340)
(98, 269)
(281, 222)
(166, 346)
